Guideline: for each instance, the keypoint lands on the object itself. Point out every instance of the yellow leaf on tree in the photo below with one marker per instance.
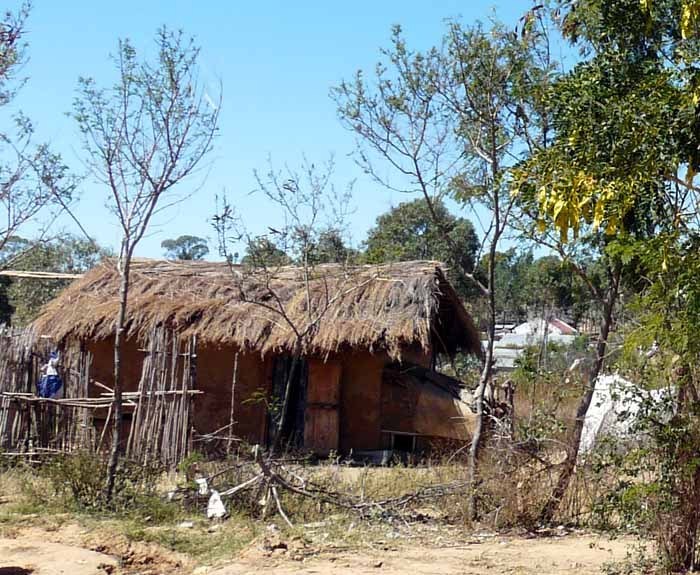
(598, 214)
(689, 17)
(558, 207)
(690, 174)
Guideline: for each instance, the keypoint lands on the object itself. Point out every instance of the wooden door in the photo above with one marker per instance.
(322, 423)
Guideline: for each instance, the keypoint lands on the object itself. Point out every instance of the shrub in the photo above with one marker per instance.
(78, 480)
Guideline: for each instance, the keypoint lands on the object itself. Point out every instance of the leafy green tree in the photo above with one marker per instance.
(608, 160)
(551, 285)
(532, 286)
(261, 252)
(409, 232)
(621, 169)
(453, 120)
(33, 179)
(330, 248)
(185, 248)
(69, 254)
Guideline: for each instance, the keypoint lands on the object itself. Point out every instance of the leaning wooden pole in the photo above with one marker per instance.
(229, 441)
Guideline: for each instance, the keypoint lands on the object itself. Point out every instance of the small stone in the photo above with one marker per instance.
(186, 525)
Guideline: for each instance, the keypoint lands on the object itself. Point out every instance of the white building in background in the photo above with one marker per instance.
(512, 343)
(538, 328)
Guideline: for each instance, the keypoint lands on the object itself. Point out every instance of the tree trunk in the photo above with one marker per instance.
(542, 357)
(118, 384)
(477, 438)
(284, 413)
(676, 528)
(567, 471)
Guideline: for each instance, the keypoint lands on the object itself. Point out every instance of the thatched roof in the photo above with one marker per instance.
(389, 307)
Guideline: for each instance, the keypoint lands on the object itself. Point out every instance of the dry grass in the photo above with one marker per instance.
(379, 484)
(382, 307)
(30, 501)
(511, 492)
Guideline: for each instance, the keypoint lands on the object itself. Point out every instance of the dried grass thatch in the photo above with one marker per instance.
(390, 307)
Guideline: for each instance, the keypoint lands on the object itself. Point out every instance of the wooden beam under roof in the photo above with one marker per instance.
(39, 275)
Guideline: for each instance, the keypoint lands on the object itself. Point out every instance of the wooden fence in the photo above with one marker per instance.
(30, 424)
(162, 415)
(158, 414)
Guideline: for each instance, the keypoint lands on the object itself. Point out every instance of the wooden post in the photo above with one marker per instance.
(229, 442)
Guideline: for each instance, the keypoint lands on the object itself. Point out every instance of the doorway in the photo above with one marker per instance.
(293, 429)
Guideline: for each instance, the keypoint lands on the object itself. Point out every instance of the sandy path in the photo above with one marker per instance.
(40, 557)
(572, 554)
(583, 555)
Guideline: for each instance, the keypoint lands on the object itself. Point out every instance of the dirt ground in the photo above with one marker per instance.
(23, 556)
(74, 550)
(33, 552)
(581, 554)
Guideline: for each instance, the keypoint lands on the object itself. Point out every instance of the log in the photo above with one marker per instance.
(39, 275)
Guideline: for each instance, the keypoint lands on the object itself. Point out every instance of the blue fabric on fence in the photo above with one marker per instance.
(49, 386)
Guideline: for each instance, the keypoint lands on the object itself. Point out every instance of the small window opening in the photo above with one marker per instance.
(403, 442)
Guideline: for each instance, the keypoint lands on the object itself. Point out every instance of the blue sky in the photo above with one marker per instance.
(276, 61)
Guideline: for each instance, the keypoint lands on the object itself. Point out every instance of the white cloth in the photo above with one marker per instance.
(202, 486)
(215, 507)
(615, 408)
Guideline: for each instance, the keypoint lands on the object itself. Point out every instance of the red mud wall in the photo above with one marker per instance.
(102, 368)
(361, 398)
(361, 413)
(215, 377)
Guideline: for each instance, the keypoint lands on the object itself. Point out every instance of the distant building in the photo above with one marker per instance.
(512, 343)
(538, 327)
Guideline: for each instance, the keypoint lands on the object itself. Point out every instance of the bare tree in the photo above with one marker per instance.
(603, 282)
(33, 179)
(311, 208)
(452, 122)
(142, 137)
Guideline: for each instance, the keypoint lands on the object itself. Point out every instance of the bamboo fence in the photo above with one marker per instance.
(161, 422)
(158, 414)
(31, 424)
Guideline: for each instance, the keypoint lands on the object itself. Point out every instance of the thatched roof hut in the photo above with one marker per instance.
(365, 381)
(387, 307)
